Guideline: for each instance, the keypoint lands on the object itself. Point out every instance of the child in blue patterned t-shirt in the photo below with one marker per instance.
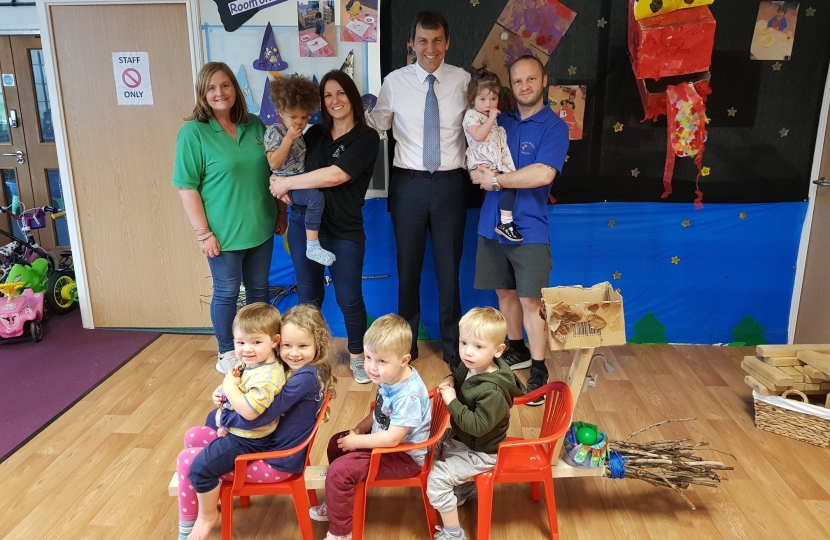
(402, 415)
(295, 97)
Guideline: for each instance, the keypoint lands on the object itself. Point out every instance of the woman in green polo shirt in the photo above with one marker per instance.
(222, 175)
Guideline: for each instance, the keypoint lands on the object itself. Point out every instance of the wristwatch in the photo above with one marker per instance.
(496, 186)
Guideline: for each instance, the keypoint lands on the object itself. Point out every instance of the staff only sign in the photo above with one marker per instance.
(132, 78)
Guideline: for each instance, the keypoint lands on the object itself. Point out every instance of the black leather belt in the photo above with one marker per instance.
(426, 174)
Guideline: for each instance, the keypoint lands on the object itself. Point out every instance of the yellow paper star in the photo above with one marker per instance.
(474, 3)
(704, 171)
(567, 157)
(742, 215)
(611, 222)
(811, 11)
(686, 223)
(675, 260)
(617, 275)
(618, 127)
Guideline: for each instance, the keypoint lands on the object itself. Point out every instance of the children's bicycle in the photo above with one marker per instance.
(40, 270)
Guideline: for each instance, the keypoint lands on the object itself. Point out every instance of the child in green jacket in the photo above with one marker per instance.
(479, 414)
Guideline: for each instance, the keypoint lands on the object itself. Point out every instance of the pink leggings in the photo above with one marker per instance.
(195, 439)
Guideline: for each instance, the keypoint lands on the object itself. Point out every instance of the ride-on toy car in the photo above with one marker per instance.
(20, 314)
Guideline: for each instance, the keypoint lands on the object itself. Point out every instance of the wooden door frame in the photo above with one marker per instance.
(59, 120)
(804, 242)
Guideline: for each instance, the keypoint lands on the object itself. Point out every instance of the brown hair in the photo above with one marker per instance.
(484, 80)
(308, 318)
(295, 92)
(202, 111)
(258, 318)
(389, 333)
(429, 20)
(349, 87)
(525, 57)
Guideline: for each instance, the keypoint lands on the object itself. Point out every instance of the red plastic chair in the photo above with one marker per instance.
(294, 487)
(529, 460)
(438, 425)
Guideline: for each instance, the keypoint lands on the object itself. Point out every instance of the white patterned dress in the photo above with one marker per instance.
(492, 151)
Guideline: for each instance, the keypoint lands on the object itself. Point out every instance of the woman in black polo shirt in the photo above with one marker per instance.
(340, 159)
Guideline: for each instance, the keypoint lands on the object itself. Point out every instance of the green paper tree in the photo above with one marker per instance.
(748, 332)
(649, 330)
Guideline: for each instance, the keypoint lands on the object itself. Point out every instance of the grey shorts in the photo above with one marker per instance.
(524, 268)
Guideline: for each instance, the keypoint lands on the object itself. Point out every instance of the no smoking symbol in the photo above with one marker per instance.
(131, 77)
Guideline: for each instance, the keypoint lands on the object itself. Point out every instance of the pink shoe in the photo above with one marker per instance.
(319, 513)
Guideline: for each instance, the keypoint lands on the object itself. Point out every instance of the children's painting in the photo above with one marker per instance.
(501, 49)
(539, 23)
(318, 36)
(569, 103)
(359, 21)
(774, 31)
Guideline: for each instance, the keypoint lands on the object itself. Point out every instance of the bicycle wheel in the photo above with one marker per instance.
(61, 292)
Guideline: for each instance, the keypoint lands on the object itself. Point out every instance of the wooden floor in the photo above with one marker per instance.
(101, 470)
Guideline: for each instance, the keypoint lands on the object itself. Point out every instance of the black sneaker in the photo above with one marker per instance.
(538, 379)
(517, 360)
(509, 231)
(453, 361)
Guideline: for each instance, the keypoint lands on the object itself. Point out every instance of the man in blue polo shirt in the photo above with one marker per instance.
(538, 141)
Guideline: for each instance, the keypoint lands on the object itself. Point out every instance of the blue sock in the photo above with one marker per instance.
(184, 528)
(454, 531)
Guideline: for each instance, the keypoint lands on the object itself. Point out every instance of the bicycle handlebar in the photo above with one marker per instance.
(19, 217)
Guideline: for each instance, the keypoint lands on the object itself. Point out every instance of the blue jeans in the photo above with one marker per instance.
(250, 266)
(314, 202)
(346, 276)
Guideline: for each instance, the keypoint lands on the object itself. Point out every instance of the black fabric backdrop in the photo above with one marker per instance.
(749, 160)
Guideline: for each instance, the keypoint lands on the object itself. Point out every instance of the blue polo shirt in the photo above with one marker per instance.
(541, 138)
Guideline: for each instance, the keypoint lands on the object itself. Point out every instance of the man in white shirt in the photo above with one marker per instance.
(424, 104)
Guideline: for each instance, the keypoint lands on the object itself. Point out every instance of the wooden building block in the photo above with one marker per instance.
(777, 351)
(755, 385)
(814, 373)
(827, 401)
(797, 376)
(764, 381)
(767, 371)
(783, 361)
(806, 386)
(825, 386)
(818, 360)
(173, 486)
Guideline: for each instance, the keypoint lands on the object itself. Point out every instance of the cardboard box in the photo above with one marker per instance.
(653, 93)
(579, 317)
(677, 43)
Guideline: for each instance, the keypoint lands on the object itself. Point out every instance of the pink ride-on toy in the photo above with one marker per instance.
(20, 314)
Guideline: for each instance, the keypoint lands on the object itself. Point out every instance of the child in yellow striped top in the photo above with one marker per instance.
(250, 387)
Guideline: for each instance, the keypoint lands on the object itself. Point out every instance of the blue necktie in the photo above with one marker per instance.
(432, 129)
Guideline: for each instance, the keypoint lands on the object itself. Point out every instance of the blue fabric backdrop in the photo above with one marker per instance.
(733, 261)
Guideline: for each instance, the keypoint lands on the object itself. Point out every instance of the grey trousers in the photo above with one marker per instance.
(455, 464)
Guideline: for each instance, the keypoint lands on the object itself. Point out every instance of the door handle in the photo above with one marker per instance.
(20, 159)
(821, 182)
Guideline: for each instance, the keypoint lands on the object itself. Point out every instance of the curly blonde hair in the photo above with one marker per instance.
(295, 92)
(308, 318)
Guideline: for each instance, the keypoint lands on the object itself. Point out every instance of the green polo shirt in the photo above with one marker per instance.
(231, 175)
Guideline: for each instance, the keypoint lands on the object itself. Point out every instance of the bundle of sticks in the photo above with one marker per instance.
(669, 463)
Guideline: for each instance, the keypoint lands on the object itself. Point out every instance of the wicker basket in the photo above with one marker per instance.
(796, 425)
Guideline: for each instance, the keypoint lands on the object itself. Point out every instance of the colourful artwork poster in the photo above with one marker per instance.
(569, 103)
(318, 35)
(774, 31)
(501, 49)
(539, 23)
(359, 21)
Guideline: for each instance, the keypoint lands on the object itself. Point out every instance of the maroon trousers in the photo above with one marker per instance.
(347, 469)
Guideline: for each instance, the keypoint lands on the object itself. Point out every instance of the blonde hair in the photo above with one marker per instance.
(308, 318)
(484, 323)
(202, 111)
(258, 318)
(389, 333)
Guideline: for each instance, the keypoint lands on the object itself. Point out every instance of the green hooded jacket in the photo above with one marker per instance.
(480, 415)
